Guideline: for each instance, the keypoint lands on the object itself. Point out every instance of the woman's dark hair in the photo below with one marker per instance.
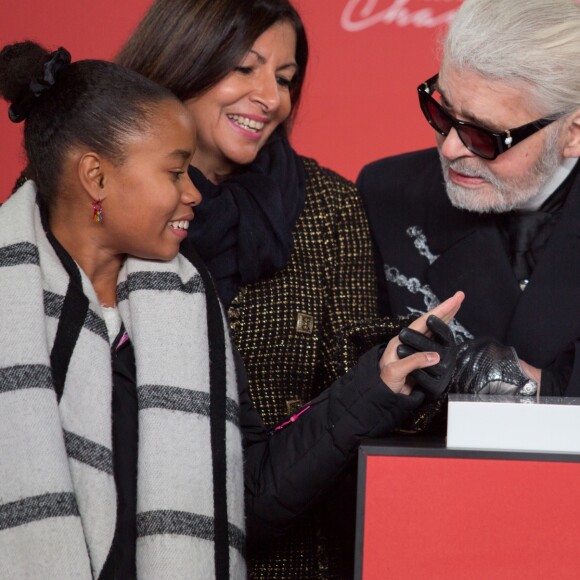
(190, 45)
(92, 103)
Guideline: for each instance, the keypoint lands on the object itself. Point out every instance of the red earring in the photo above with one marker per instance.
(97, 211)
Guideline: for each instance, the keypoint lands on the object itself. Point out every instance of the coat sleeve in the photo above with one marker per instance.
(289, 468)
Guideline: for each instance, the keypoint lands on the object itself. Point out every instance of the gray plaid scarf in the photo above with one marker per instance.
(57, 490)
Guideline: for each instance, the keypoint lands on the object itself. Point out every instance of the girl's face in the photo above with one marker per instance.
(236, 116)
(148, 199)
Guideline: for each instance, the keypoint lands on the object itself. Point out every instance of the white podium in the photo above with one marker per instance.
(544, 424)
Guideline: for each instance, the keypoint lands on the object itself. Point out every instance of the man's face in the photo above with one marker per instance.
(514, 177)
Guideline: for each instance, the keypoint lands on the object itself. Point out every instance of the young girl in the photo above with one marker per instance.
(121, 418)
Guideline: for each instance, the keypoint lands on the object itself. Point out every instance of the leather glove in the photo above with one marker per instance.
(433, 380)
(487, 367)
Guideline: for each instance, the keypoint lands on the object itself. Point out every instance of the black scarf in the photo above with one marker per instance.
(243, 226)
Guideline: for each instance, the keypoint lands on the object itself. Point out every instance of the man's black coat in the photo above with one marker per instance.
(427, 250)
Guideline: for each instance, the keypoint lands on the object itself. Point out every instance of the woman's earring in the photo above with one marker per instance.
(97, 211)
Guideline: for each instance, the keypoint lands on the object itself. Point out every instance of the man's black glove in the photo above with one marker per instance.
(487, 367)
(433, 380)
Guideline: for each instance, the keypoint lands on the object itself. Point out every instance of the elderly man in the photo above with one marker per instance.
(494, 210)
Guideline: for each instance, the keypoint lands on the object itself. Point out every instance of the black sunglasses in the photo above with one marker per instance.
(480, 141)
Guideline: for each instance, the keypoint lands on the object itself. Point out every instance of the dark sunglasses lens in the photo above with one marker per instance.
(478, 142)
(435, 115)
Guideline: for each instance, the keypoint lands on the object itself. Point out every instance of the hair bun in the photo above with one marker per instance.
(27, 71)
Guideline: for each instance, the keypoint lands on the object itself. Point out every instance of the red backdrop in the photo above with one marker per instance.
(360, 102)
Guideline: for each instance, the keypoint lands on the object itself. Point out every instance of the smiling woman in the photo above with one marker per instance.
(236, 117)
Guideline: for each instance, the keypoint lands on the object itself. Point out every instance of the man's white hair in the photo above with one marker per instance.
(535, 43)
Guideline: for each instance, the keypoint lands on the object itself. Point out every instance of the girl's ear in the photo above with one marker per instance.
(91, 171)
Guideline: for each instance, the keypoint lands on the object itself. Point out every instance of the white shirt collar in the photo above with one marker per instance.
(563, 170)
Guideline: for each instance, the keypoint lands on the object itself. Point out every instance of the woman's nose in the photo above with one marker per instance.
(267, 92)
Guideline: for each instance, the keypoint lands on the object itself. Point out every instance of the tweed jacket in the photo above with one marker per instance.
(285, 328)
(426, 250)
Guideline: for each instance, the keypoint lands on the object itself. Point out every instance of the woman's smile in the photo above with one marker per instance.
(235, 118)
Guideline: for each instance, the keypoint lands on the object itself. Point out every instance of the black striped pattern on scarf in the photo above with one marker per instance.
(39, 507)
(25, 377)
(18, 254)
(185, 400)
(186, 524)
(163, 281)
(88, 452)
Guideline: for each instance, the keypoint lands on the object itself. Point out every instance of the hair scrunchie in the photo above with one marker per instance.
(57, 60)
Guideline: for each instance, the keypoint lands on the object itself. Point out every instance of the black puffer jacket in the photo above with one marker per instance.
(292, 466)
(288, 468)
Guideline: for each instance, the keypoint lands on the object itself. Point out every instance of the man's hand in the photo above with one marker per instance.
(487, 367)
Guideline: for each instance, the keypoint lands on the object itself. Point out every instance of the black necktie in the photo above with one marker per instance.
(528, 233)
